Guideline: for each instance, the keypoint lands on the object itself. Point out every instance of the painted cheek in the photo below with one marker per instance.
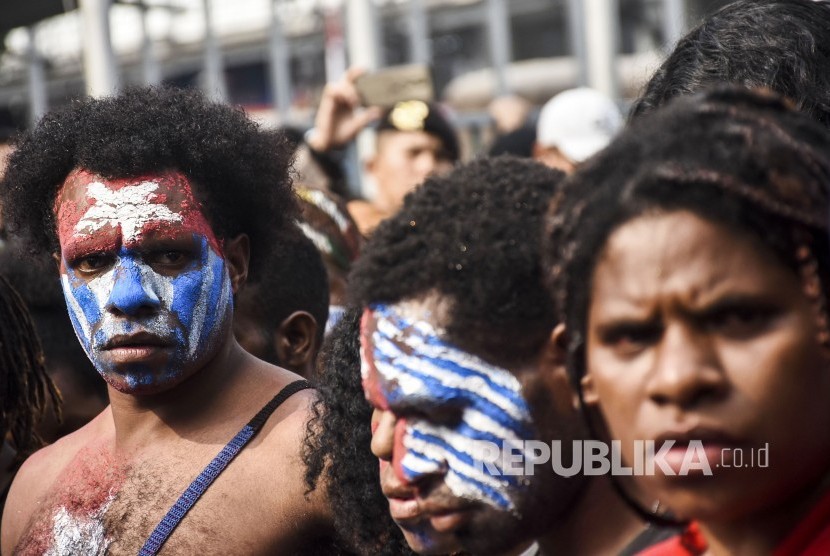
(202, 298)
(85, 311)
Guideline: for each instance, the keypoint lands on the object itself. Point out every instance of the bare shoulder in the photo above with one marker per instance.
(271, 470)
(36, 477)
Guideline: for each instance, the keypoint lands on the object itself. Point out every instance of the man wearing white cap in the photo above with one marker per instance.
(574, 125)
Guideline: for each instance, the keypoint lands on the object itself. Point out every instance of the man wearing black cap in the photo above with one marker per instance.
(414, 140)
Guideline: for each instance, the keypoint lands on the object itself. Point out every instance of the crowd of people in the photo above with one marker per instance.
(602, 337)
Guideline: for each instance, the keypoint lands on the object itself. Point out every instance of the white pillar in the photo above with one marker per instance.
(674, 22)
(38, 104)
(418, 27)
(280, 66)
(363, 35)
(214, 78)
(601, 23)
(150, 70)
(363, 44)
(501, 49)
(576, 30)
(100, 71)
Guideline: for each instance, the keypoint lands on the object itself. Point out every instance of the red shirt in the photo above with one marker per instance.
(811, 537)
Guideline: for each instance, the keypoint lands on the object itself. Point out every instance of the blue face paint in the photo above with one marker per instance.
(406, 364)
(188, 312)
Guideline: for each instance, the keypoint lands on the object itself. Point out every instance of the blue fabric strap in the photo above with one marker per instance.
(199, 485)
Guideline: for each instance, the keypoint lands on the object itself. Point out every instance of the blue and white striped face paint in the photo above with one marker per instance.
(408, 369)
(147, 289)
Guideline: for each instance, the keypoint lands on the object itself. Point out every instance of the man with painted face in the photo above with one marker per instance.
(156, 204)
(455, 351)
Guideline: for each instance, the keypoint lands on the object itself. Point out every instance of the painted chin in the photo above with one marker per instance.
(137, 378)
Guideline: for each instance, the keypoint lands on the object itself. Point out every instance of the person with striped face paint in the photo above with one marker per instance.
(156, 222)
(458, 362)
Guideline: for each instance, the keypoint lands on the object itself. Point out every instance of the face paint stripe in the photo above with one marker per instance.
(451, 373)
(482, 414)
(101, 288)
(217, 300)
(193, 312)
(489, 488)
(426, 384)
(81, 325)
(457, 445)
(428, 343)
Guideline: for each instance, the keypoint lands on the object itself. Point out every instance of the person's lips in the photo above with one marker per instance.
(402, 502)
(445, 518)
(403, 509)
(131, 348)
(712, 440)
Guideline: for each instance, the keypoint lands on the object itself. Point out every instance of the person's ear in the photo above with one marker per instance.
(237, 253)
(295, 341)
(552, 365)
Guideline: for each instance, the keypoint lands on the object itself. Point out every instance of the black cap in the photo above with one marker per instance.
(417, 115)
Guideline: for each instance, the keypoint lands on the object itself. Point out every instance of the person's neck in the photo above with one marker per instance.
(599, 523)
(762, 532)
(184, 408)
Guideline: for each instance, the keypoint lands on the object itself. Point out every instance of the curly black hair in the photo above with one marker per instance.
(470, 236)
(240, 171)
(336, 449)
(25, 388)
(783, 45)
(742, 159)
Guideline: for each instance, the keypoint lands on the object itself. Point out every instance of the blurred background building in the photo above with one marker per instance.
(273, 56)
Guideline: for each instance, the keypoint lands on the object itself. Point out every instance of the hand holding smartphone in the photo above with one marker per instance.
(388, 86)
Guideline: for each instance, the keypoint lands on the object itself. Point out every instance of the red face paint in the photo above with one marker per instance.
(372, 387)
(399, 451)
(96, 214)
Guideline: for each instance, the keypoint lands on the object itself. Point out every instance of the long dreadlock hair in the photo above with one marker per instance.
(25, 388)
(739, 158)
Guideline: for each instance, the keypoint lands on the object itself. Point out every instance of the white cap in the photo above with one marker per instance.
(578, 122)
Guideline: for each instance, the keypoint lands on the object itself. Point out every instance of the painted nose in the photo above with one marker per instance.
(130, 296)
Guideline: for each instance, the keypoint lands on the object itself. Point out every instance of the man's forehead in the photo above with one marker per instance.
(170, 184)
(88, 203)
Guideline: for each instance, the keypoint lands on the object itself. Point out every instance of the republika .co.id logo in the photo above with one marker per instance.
(595, 457)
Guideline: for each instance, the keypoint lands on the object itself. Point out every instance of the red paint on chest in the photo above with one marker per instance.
(89, 480)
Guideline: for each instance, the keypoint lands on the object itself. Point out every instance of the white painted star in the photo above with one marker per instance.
(130, 207)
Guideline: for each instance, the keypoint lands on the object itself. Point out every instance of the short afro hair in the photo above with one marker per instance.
(473, 236)
(782, 45)
(239, 172)
(742, 159)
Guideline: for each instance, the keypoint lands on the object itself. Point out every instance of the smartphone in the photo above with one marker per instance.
(388, 86)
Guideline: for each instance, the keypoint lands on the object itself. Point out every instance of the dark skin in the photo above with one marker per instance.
(144, 450)
(293, 345)
(560, 514)
(706, 334)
